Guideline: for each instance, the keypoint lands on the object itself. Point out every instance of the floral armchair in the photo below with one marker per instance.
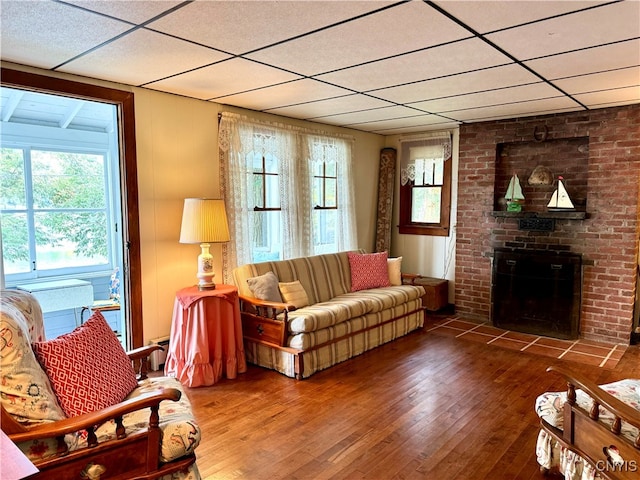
(76, 407)
(590, 431)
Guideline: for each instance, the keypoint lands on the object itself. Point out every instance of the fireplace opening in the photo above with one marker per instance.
(537, 292)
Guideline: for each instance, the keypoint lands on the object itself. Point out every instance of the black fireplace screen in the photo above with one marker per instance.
(537, 292)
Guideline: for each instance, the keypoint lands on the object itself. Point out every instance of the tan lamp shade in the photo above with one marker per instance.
(204, 220)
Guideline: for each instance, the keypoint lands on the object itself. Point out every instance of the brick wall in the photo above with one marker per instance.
(607, 239)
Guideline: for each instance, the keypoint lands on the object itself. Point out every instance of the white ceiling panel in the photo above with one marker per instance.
(487, 16)
(291, 93)
(420, 121)
(491, 97)
(581, 62)
(383, 113)
(524, 109)
(222, 79)
(47, 34)
(409, 26)
(459, 84)
(136, 12)
(331, 106)
(436, 62)
(610, 98)
(143, 56)
(626, 77)
(242, 26)
(580, 30)
(364, 64)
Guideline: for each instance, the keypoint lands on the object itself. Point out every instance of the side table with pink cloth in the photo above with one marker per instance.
(206, 336)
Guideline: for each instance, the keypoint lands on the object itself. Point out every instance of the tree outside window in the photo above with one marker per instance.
(54, 214)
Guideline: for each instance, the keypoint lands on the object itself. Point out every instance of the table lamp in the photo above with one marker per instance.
(204, 221)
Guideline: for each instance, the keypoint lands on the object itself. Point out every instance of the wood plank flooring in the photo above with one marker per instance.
(424, 406)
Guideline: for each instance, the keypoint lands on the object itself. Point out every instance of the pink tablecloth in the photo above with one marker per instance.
(206, 336)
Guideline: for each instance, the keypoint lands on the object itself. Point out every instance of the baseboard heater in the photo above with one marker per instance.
(159, 357)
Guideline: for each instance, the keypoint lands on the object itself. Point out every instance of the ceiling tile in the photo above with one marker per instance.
(445, 125)
(291, 93)
(29, 37)
(489, 98)
(566, 33)
(383, 113)
(487, 16)
(626, 77)
(610, 98)
(400, 123)
(135, 12)
(141, 57)
(331, 106)
(222, 79)
(406, 27)
(597, 59)
(476, 81)
(242, 26)
(436, 62)
(522, 109)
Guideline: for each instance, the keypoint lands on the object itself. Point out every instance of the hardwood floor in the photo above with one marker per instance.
(424, 406)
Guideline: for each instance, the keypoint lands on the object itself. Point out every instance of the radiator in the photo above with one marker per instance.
(159, 356)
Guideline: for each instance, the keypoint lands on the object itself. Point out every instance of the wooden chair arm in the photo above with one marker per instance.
(617, 407)
(93, 419)
(140, 358)
(143, 352)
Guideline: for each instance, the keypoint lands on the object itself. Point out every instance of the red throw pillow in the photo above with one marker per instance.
(88, 368)
(368, 270)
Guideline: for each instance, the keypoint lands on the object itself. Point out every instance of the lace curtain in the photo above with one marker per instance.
(420, 162)
(297, 150)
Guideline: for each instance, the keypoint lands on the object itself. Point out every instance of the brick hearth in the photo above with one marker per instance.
(607, 239)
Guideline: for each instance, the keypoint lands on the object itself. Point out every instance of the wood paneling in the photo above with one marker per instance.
(423, 406)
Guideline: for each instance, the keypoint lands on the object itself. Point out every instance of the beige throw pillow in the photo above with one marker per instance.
(395, 274)
(294, 294)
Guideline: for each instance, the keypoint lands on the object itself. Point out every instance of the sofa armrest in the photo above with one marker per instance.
(410, 278)
(264, 308)
(90, 421)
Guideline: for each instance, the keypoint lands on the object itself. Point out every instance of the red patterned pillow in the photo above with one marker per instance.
(88, 368)
(368, 270)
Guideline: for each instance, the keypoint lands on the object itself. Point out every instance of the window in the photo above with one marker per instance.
(55, 216)
(266, 207)
(288, 191)
(425, 186)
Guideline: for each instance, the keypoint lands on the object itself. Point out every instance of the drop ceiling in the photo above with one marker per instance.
(376, 66)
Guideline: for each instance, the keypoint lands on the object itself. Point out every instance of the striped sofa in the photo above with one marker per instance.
(336, 325)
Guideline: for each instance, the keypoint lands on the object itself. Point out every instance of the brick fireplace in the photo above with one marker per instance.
(598, 153)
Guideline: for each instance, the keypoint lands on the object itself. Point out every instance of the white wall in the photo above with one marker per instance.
(427, 255)
(177, 155)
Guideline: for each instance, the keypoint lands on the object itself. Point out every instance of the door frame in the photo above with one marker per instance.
(124, 103)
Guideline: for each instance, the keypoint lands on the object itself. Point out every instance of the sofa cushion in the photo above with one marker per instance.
(294, 294)
(350, 305)
(368, 270)
(27, 394)
(88, 368)
(265, 287)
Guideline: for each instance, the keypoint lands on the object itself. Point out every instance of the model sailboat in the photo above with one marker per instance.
(560, 199)
(514, 196)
